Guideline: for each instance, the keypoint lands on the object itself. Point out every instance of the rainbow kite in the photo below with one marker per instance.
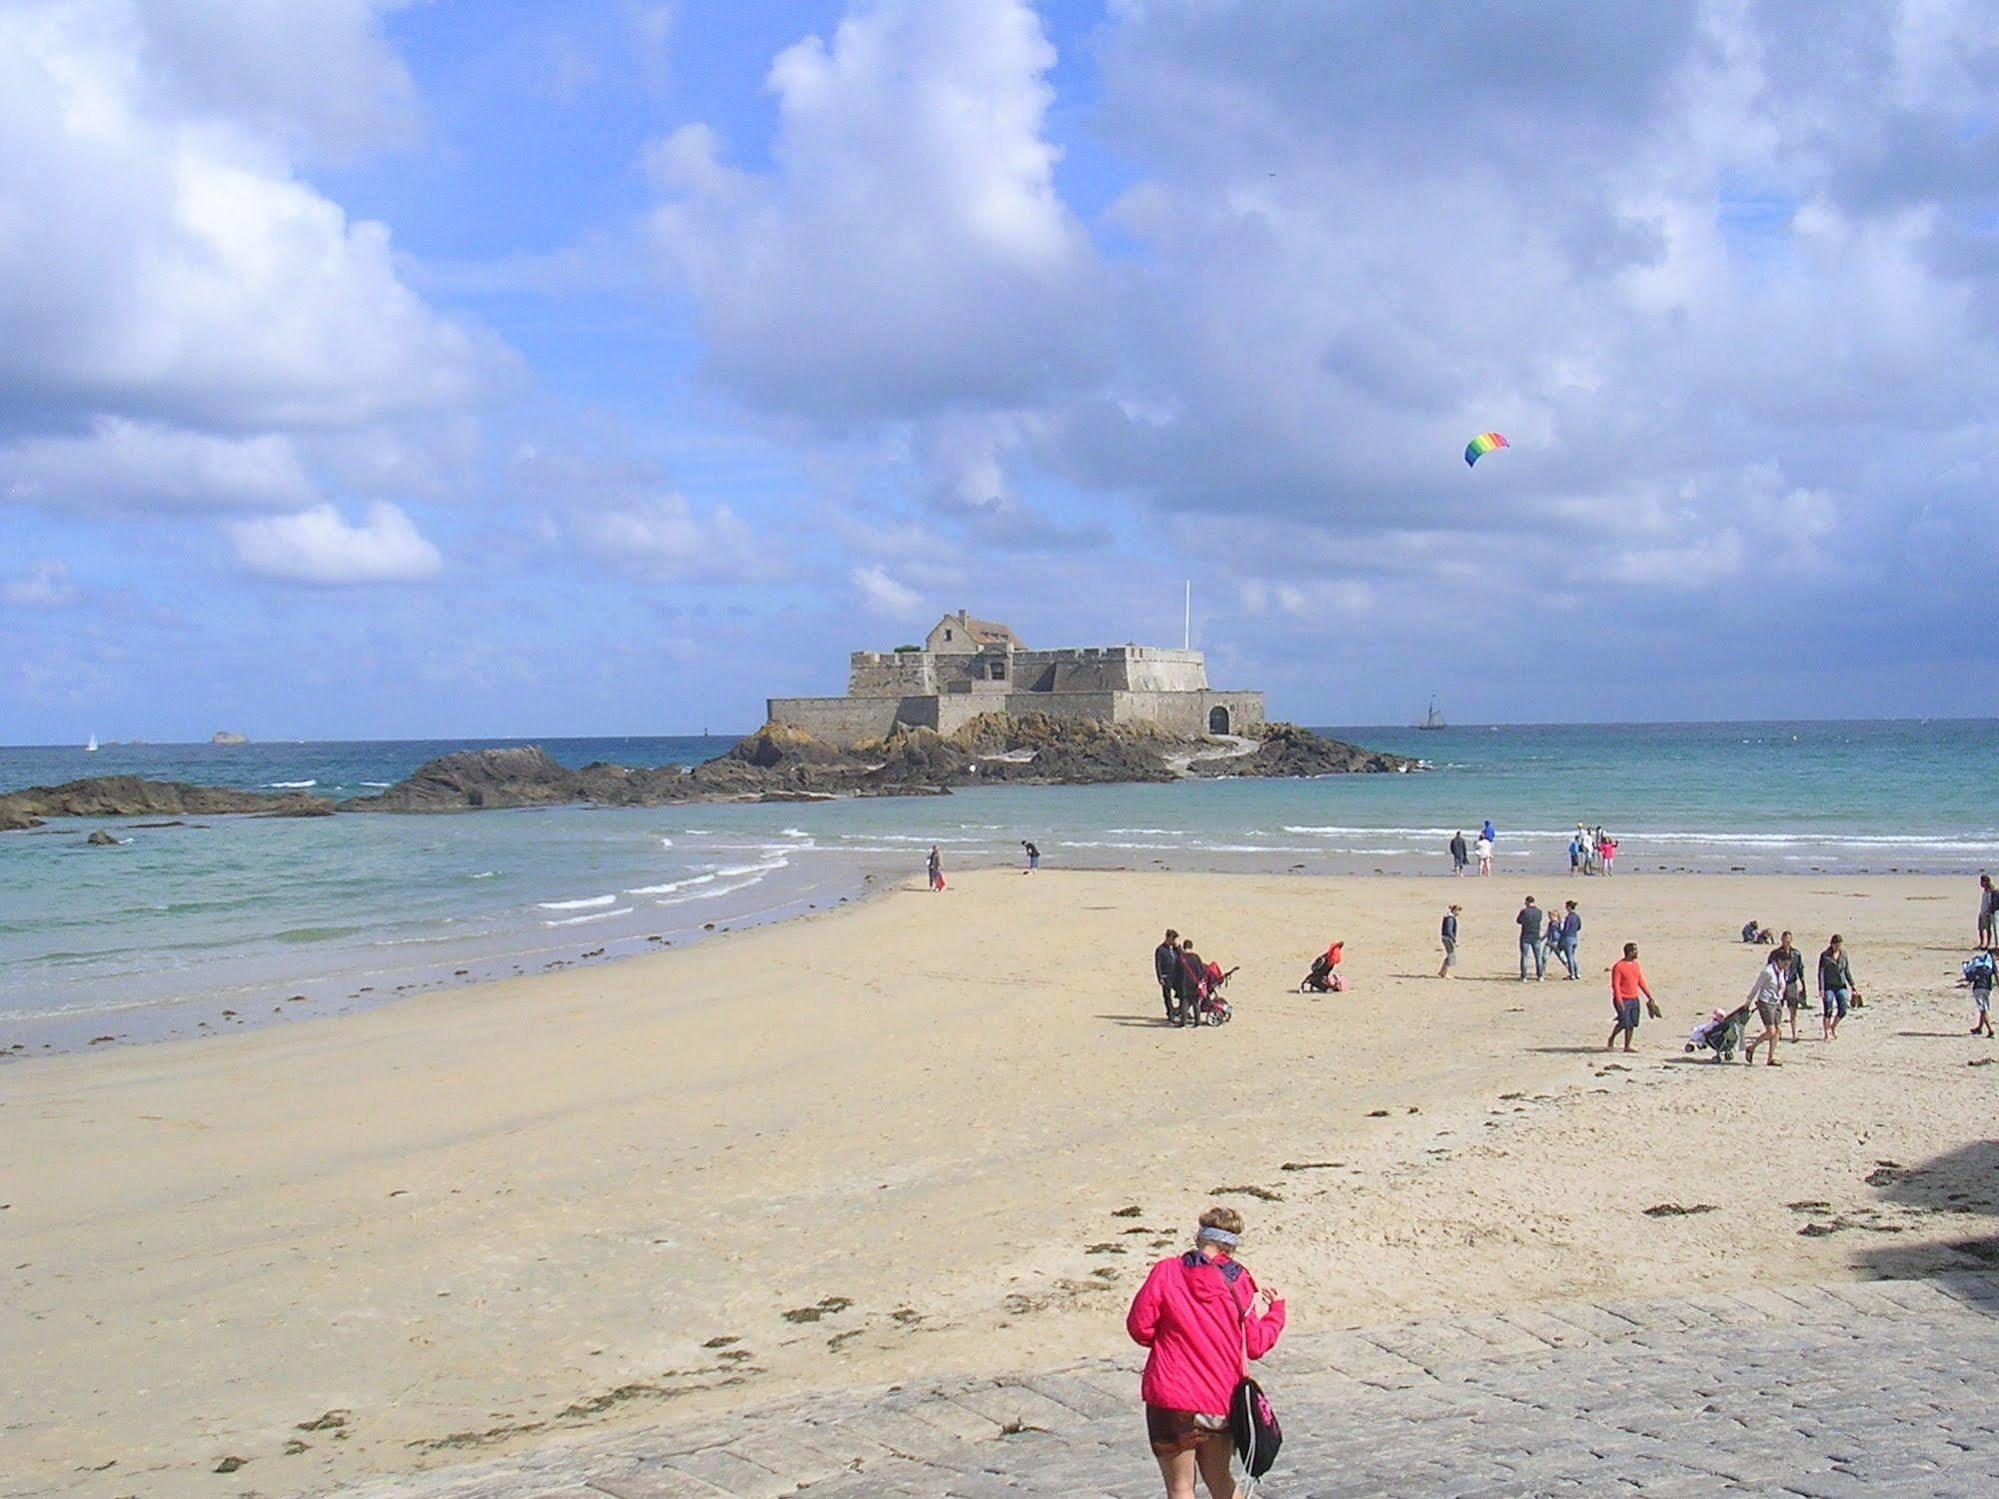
(1482, 444)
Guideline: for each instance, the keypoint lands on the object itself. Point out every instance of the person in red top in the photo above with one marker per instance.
(1203, 1318)
(1627, 983)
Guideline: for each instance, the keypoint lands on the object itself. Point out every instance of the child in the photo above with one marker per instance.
(1980, 973)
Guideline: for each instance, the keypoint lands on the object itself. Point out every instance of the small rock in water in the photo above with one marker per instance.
(101, 839)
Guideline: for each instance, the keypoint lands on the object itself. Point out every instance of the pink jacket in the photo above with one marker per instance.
(1192, 1318)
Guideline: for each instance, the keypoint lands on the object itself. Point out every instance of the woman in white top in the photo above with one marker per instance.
(1767, 994)
(1484, 850)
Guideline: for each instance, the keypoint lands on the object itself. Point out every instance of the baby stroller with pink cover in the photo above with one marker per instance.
(1213, 1008)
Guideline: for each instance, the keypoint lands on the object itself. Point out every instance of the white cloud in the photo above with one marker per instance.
(881, 594)
(126, 465)
(319, 546)
(909, 250)
(663, 539)
(45, 585)
(322, 77)
(159, 258)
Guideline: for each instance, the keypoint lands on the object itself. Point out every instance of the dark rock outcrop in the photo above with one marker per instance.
(1287, 750)
(130, 796)
(101, 839)
(784, 764)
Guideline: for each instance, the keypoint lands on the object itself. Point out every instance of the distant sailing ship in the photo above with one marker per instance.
(91, 748)
(1433, 719)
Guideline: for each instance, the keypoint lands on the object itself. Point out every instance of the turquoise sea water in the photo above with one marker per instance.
(163, 933)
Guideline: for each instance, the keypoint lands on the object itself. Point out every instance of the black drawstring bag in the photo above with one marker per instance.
(1253, 1426)
(1252, 1423)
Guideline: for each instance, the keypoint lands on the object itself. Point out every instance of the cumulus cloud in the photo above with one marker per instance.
(45, 585)
(126, 465)
(881, 594)
(908, 251)
(320, 546)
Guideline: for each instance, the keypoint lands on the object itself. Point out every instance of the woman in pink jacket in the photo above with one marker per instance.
(1199, 1314)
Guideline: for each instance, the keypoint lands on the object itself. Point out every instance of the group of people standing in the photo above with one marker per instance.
(1591, 851)
(1462, 853)
(1185, 978)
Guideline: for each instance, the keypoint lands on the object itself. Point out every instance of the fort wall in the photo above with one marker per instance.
(847, 721)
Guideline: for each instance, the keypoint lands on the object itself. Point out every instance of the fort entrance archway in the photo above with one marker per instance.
(1218, 720)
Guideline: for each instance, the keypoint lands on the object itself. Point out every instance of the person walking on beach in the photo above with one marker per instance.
(1165, 968)
(1980, 974)
(1767, 994)
(1460, 855)
(1627, 983)
(1529, 921)
(1202, 1317)
(1794, 980)
(1450, 936)
(1033, 856)
(1572, 936)
(936, 868)
(1835, 987)
(1484, 854)
(1988, 911)
(1606, 849)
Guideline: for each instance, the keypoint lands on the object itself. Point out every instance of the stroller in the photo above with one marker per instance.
(1213, 1009)
(1720, 1034)
(1324, 977)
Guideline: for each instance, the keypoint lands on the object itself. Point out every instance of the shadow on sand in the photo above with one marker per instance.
(1961, 1186)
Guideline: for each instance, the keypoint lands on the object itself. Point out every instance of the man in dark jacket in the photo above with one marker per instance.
(1166, 968)
(1187, 984)
(1794, 980)
(1529, 921)
(1460, 853)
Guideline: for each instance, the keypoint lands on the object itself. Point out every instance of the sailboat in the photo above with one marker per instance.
(1432, 719)
(91, 748)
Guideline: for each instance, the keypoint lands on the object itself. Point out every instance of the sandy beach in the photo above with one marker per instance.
(937, 1133)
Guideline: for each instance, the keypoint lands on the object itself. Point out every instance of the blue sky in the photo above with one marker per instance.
(381, 369)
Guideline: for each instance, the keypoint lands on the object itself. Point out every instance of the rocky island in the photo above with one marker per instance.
(777, 763)
(130, 796)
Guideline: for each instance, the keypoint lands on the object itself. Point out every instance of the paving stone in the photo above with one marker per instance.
(1810, 1392)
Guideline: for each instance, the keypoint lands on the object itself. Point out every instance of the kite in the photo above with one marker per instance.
(1482, 444)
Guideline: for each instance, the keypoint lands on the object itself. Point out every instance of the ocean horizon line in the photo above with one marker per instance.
(1323, 725)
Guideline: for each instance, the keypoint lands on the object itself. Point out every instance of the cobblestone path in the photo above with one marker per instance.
(1881, 1388)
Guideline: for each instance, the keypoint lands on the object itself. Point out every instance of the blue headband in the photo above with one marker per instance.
(1219, 1236)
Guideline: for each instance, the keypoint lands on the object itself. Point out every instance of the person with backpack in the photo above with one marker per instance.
(1980, 974)
(1836, 991)
(1202, 1317)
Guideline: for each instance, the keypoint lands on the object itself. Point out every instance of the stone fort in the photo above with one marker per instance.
(971, 666)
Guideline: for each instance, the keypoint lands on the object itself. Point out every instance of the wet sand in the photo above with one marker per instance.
(937, 1134)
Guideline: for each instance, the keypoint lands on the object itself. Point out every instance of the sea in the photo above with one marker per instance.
(228, 922)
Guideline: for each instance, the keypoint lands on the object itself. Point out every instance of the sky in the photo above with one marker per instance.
(386, 369)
